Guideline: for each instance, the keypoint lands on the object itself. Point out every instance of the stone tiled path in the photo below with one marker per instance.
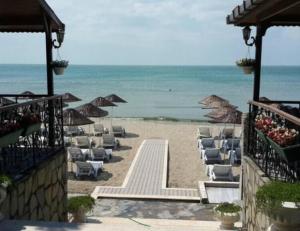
(147, 177)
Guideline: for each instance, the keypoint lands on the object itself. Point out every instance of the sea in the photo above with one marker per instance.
(155, 91)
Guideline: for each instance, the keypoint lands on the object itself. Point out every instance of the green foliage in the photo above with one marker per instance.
(245, 62)
(271, 195)
(5, 180)
(228, 208)
(60, 63)
(80, 202)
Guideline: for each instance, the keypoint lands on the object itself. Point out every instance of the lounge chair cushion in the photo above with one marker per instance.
(99, 154)
(222, 172)
(75, 154)
(207, 143)
(82, 142)
(204, 132)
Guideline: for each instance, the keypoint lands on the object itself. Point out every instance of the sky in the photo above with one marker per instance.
(150, 32)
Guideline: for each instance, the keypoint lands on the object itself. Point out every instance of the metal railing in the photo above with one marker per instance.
(276, 161)
(37, 142)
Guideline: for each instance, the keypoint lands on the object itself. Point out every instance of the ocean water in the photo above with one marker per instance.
(154, 91)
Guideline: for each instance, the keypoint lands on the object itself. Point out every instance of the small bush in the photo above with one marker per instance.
(271, 195)
(245, 62)
(228, 208)
(5, 180)
(80, 202)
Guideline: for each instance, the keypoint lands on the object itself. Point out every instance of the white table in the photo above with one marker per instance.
(96, 166)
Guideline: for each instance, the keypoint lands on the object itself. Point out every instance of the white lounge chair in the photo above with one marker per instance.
(203, 132)
(84, 169)
(205, 143)
(83, 142)
(75, 154)
(235, 156)
(100, 154)
(230, 144)
(221, 173)
(109, 141)
(118, 131)
(227, 133)
(212, 156)
(73, 131)
(99, 129)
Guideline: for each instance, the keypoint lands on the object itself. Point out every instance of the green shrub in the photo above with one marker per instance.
(80, 202)
(245, 62)
(5, 180)
(272, 195)
(228, 208)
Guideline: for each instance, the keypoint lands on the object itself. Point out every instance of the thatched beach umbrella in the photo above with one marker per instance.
(218, 104)
(5, 101)
(115, 98)
(70, 98)
(234, 117)
(74, 118)
(89, 110)
(27, 95)
(207, 101)
(102, 102)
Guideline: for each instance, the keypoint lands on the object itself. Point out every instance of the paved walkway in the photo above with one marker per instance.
(147, 177)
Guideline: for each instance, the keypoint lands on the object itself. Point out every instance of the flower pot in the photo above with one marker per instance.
(10, 138)
(289, 154)
(31, 129)
(79, 216)
(284, 219)
(248, 69)
(59, 70)
(227, 219)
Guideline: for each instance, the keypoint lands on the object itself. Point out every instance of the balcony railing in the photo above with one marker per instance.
(36, 142)
(277, 156)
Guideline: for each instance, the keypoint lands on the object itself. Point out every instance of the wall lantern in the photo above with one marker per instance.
(60, 38)
(246, 36)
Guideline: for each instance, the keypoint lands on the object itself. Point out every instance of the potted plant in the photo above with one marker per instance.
(247, 65)
(228, 214)
(9, 133)
(281, 202)
(31, 123)
(78, 206)
(59, 66)
(5, 181)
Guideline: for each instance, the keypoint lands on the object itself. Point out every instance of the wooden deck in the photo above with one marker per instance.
(147, 177)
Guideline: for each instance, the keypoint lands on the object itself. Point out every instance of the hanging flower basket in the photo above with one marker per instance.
(59, 66)
(247, 65)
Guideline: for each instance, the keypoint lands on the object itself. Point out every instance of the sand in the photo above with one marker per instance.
(185, 166)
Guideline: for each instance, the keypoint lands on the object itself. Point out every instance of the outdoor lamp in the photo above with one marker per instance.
(246, 36)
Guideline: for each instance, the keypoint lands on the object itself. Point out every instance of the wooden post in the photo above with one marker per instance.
(260, 31)
(50, 83)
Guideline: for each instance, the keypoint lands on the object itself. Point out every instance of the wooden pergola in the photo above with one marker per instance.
(33, 16)
(263, 14)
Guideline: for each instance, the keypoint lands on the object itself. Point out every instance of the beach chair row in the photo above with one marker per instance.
(99, 130)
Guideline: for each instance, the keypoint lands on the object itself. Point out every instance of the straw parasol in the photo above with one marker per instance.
(70, 98)
(218, 104)
(115, 98)
(74, 118)
(212, 98)
(89, 110)
(5, 101)
(233, 116)
(102, 102)
(28, 95)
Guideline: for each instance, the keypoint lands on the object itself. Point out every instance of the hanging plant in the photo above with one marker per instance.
(59, 65)
(247, 65)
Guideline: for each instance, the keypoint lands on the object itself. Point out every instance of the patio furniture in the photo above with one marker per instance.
(75, 154)
(205, 143)
(100, 154)
(73, 131)
(221, 173)
(203, 132)
(109, 141)
(212, 156)
(118, 131)
(99, 129)
(84, 169)
(97, 165)
(230, 144)
(235, 156)
(227, 133)
(83, 142)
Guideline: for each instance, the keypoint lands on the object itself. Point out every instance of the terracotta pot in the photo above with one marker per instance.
(227, 219)
(79, 216)
(286, 218)
(59, 70)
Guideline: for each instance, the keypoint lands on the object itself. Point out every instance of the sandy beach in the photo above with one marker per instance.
(185, 166)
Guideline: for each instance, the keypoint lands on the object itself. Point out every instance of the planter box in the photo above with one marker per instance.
(289, 154)
(262, 135)
(31, 129)
(10, 138)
